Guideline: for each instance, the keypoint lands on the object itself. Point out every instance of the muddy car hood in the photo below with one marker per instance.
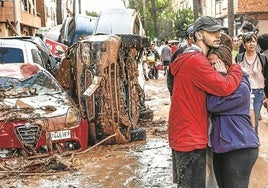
(40, 106)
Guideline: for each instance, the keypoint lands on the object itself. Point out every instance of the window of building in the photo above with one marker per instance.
(24, 6)
(218, 7)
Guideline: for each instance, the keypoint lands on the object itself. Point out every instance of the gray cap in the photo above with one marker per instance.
(207, 23)
(190, 30)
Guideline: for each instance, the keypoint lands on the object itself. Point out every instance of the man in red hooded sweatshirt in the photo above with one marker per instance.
(188, 118)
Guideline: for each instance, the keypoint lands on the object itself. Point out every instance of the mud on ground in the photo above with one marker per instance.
(139, 164)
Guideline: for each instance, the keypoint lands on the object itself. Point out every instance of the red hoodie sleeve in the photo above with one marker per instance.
(213, 82)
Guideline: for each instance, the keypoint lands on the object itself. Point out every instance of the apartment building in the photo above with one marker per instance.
(28, 17)
(18, 14)
(255, 11)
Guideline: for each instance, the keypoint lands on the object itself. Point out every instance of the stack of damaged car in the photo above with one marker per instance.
(101, 73)
(37, 117)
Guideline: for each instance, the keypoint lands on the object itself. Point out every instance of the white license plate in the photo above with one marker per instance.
(58, 135)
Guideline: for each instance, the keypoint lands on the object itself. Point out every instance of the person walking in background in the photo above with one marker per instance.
(234, 142)
(235, 46)
(257, 66)
(188, 117)
(246, 28)
(166, 57)
(173, 47)
(263, 44)
(189, 37)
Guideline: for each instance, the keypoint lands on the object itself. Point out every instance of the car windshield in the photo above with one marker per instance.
(38, 84)
(11, 55)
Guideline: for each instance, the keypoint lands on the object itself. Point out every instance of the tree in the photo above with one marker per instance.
(93, 14)
(197, 8)
(59, 12)
(157, 17)
(184, 18)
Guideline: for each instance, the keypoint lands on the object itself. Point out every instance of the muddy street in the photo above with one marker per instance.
(135, 165)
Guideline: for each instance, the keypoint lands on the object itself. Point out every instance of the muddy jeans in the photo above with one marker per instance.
(189, 168)
(233, 169)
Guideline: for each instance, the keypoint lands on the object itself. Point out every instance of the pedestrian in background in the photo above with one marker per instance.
(263, 44)
(234, 142)
(246, 28)
(235, 46)
(256, 65)
(188, 117)
(166, 57)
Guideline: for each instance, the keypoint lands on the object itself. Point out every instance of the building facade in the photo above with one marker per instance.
(29, 17)
(19, 14)
(254, 11)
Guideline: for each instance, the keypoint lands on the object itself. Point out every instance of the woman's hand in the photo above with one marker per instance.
(219, 66)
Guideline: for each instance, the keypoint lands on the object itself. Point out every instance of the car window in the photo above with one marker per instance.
(11, 55)
(37, 57)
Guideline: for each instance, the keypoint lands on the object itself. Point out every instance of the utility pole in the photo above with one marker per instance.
(231, 17)
(16, 16)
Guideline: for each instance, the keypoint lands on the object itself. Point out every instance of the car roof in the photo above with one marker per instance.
(36, 40)
(108, 22)
(6, 42)
(19, 70)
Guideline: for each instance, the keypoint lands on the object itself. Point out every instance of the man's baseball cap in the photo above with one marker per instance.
(207, 23)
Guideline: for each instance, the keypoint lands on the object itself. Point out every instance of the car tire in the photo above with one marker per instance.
(138, 134)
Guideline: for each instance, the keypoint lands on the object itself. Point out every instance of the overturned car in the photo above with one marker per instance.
(102, 74)
(36, 115)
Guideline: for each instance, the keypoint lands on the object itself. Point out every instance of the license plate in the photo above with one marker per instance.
(58, 135)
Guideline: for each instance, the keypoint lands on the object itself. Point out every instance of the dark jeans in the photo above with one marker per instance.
(233, 169)
(189, 168)
(257, 105)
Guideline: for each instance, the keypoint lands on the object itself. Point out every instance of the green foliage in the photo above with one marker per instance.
(183, 19)
(94, 14)
(160, 20)
(156, 17)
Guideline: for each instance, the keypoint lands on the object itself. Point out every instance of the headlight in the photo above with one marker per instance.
(72, 118)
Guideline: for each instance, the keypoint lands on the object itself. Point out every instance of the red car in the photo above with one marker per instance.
(36, 115)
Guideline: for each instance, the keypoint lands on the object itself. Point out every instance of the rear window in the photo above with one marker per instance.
(11, 55)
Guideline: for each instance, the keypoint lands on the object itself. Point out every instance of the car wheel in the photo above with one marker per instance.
(138, 134)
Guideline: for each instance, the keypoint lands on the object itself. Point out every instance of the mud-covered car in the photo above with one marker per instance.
(36, 115)
(101, 74)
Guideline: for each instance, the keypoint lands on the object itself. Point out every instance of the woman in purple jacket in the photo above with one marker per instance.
(234, 142)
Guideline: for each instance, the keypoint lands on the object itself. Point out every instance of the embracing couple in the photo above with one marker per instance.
(208, 89)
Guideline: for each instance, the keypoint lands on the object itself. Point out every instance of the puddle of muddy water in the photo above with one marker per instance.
(155, 164)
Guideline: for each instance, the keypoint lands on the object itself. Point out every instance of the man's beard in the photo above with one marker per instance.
(211, 44)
